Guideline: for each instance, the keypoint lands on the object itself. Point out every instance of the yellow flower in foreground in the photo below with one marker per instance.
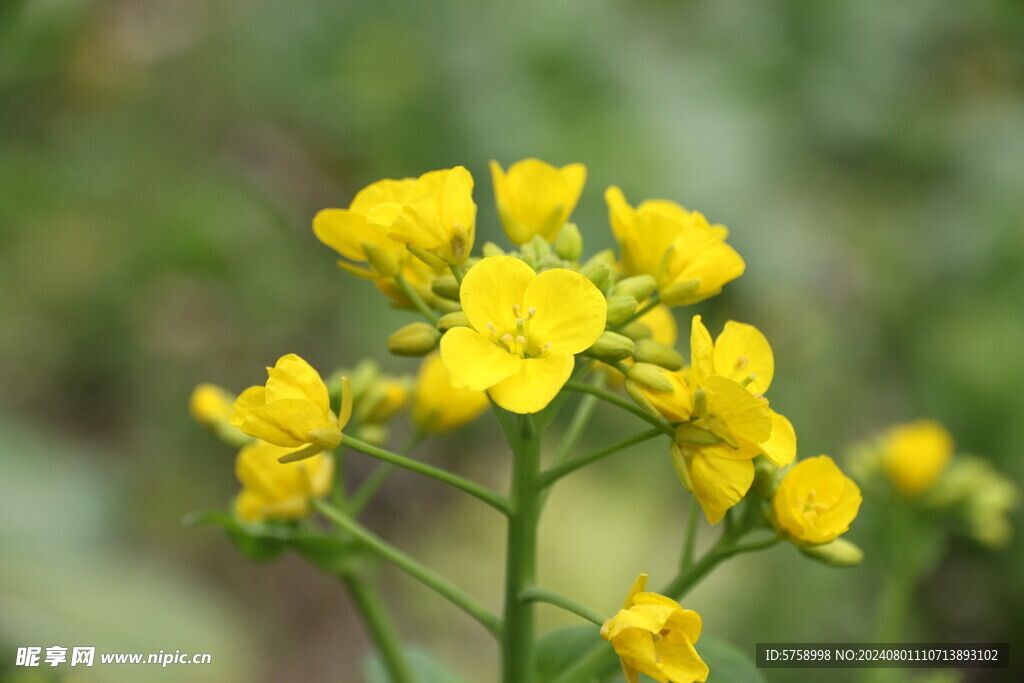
(916, 454)
(293, 410)
(525, 329)
(439, 407)
(210, 405)
(359, 233)
(535, 198)
(653, 635)
(815, 502)
(439, 224)
(275, 490)
(687, 255)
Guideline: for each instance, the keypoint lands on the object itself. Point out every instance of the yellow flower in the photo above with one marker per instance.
(815, 502)
(687, 255)
(210, 405)
(439, 223)
(524, 331)
(653, 635)
(359, 233)
(382, 400)
(439, 407)
(535, 198)
(662, 325)
(275, 490)
(293, 410)
(916, 454)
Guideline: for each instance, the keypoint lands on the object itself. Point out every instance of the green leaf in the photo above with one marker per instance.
(425, 667)
(559, 650)
(728, 663)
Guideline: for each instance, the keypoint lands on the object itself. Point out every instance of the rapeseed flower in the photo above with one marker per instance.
(438, 407)
(275, 490)
(815, 502)
(916, 454)
(535, 198)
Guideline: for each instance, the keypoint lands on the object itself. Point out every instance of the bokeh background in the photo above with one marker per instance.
(160, 161)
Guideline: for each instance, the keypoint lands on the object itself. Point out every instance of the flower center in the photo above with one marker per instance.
(518, 341)
(812, 508)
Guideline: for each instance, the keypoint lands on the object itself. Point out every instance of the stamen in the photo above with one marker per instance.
(508, 338)
(530, 312)
(492, 328)
(742, 362)
(545, 347)
(520, 339)
(517, 310)
(746, 381)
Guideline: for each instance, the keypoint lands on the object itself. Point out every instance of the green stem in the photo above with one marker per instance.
(411, 567)
(370, 605)
(609, 397)
(488, 496)
(556, 473)
(537, 594)
(458, 272)
(521, 555)
(691, 533)
(579, 423)
(416, 299)
(364, 494)
(651, 304)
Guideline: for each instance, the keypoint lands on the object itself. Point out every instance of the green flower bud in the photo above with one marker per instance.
(680, 293)
(679, 465)
(445, 306)
(640, 398)
(382, 261)
(373, 434)
(766, 478)
(640, 287)
(415, 339)
(605, 257)
(620, 308)
(650, 351)
(446, 287)
(611, 347)
(569, 243)
(636, 331)
(837, 553)
(650, 376)
(600, 274)
(690, 433)
(492, 249)
(453, 319)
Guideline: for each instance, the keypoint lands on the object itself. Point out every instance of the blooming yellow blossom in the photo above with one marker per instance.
(535, 198)
(293, 409)
(815, 502)
(438, 407)
(275, 490)
(653, 635)
(439, 223)
(210, 405)
(687, 256)
(525, 328)
(916, 454)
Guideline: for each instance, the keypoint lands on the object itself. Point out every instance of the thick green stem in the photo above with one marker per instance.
(556, 473)
(410, 566)
(609, 397)
(537, 594)
(521, 555)
(414, 297)
(370, 605)
(488, 496)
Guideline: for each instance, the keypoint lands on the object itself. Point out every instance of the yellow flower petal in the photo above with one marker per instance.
(247, 401)
(385, 191)
(535, 198)
(815, 502)
(294, 378)
(569, 310)
(676, 405)
(475, 362)
(916, 454)
(680, 661)
(532, 388)
(780, 447)
(740, 351)
(438, 406)
(701, 350)
(662, 324)
(442, 218)
(491, 289)
(746, 416)
(287, 422)
(719, 483)
(638, 587)
(272, 490)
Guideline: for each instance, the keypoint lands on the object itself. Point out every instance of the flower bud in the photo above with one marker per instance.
(453, 319)
(605, 257)
(650, 376)
(381, 260)
(611, 347)
(692, 434)
(681, 293)
(374, 434)
(636, 330)
(766, 479)
(640, 287)
(600, 274)
(415, 339)
(620, 308)
(492, 249)
(679, 465)
(837, 553)
(535, 251)
(569, 243)
(446, 287)
(640, 398)
(650, 351)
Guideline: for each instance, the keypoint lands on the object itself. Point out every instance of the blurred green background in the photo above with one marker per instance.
(160, 161)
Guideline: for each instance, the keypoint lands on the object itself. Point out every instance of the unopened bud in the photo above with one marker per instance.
(611, 347)
(692, 434)
(679, 465)
(636, 393)
(569, 243)
(446, 287)
(766, 478)
(650, 376)
(453, 319)
(620, 308)
(381, 260)
(492, 249)
(600, 274)
(680, 293)
(374, 434)
(605, 257)
(415, 339)
(650, 351)
(837, 553)
(636, 331)
(640, 287)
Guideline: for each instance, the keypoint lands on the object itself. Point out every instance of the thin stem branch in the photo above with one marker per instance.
(556, 473)
(412, 567)
(579, 422)
(382, 631)
(488, 496)
(609, 397)
(458, 272)
(538, 594)
(417, 301)
(364, 494)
